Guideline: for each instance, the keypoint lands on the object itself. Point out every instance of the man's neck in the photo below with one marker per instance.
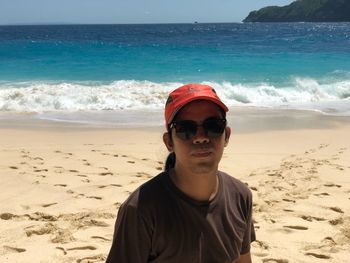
(200, 187)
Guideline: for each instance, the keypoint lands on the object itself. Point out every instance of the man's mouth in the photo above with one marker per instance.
(202, 153)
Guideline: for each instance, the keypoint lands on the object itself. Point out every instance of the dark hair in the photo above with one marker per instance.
(170, 162)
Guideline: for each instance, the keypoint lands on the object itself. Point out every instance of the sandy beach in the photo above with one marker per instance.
(61, 185)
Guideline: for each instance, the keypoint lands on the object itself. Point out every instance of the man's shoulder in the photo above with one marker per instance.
(147, 192)
(235, 185)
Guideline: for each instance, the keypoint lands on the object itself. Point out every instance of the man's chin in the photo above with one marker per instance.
(202, 166)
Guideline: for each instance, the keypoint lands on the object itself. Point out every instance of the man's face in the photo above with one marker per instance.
(200, 154)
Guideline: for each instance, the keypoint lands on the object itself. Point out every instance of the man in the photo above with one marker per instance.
(191, 212)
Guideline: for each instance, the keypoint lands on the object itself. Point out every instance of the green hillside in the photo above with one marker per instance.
(304, 11)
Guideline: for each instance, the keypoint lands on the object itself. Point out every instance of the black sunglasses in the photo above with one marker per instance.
(187, 129)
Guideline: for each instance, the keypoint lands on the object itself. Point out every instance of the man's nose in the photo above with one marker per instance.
(201, 136)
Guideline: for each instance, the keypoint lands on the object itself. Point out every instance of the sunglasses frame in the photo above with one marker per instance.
(189, 134)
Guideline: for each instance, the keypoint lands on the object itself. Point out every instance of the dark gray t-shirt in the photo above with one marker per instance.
(160, 224)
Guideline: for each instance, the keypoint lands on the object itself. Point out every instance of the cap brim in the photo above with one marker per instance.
(183, 103)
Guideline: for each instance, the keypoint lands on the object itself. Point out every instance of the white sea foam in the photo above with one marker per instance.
(301, 93)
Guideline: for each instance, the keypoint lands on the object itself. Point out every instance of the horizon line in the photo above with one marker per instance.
(74, 23)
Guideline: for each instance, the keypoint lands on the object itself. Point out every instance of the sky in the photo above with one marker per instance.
(128, 11)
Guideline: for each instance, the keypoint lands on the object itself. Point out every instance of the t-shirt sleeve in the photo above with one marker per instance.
(249, 235)
(132, 238)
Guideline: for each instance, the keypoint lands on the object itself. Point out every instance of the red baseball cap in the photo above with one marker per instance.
(187, 93)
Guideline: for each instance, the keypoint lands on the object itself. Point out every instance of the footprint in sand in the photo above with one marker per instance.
(322, 194)
(336, 209)
(332, 185)
(61, 185)
(317, 255)
(262, 244)
(93, 222)
(277, 174)
(63, 236)
(61, 248)
(117, 204)
(297, 227)
(7, 216)
(274, 260)
(48, 228)
(105, 173)
(39, 216)
(321, 146)
(312, 218)
(337, 221)
(40, 170)
(95, 197)
(47, 205)
(86, 162)
(253, 188)
(142, 174)
(339, 168)
(279, 188)
(91, 259)
(260, 254)
(134, 182)
(101, 238)
(328, 241)
(79, 195)
(82, 248)
(288, 200)
(14, 249)
(82, 175)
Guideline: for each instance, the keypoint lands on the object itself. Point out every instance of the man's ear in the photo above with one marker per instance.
(227, 135)
(168, 141)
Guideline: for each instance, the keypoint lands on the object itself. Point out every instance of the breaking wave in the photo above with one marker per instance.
(38, 97)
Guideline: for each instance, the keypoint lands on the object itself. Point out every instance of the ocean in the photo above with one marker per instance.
(107, 73)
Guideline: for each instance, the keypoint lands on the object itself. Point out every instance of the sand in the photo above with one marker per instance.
(61, 185)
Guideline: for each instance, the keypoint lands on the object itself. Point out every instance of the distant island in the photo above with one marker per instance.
(304, 11)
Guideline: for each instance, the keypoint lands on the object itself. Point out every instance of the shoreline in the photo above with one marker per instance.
(243, 119)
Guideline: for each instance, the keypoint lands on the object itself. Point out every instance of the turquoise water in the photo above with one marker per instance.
(112, 67)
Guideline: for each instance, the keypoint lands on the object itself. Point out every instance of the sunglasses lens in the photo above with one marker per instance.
(214, 127)
(185, 130)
